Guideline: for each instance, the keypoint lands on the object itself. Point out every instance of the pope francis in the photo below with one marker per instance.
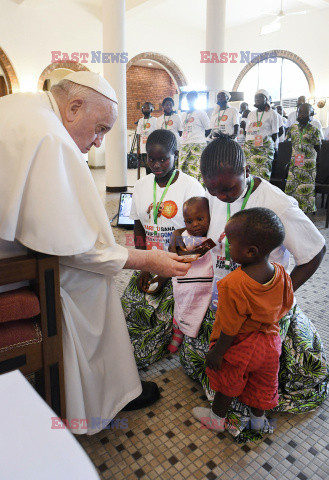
(49, 203)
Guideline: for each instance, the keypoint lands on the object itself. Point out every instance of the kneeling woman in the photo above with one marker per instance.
(157, 209)
(303, 376)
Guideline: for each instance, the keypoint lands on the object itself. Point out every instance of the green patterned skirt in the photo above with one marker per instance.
(303, 376)
(301, 183)
(149, 321)
(260, 159)
(189, 159)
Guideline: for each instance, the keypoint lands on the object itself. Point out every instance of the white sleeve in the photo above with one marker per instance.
(204, 120)
(275, 123)
(236, 120)
(159, 122)
(153, 125)
(139, 127)
(303, 239)
(101, 259)
(179, 123)
(133, 211)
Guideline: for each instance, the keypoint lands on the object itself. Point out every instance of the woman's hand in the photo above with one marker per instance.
(142, 281)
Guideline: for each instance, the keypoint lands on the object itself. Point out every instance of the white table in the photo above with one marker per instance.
(29, 447)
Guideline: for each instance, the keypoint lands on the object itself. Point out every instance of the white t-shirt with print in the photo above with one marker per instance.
(144, 128)
(171, 122)
(171, 216)
(302, 239)
(269, 124)
(194, 126)
(224, 120)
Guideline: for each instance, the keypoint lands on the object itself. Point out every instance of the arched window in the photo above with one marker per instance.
(286, 78)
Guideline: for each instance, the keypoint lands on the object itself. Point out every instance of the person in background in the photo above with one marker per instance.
(306, 141)
(244, 107)
(146, 125)
(282, 130)
(224, 119)
(170, 120)
(292, 117)
(245, 343)
(261, 135)
(196, 127)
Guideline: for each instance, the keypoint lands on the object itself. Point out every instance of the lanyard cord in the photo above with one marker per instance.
(228, 216)
(147, 121)
(164, 120)
(220, 119)
(259, 121)
(156, 209)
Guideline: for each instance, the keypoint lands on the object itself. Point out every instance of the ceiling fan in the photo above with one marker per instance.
(276, 24)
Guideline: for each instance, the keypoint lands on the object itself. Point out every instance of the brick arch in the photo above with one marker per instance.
(281, 54)
(168, 64)
(76, 67)
(9, 72)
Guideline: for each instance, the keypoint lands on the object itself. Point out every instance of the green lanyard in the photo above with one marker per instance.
(144, 124)
(220, 119)
(156, 209)
(166, 123)
(228, 216)
(259, 121)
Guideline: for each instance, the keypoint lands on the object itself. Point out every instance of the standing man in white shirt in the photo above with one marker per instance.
(196, 127)
(262, 132)
(146, 125)
(224, 119)
(292, 118)
(170, 120)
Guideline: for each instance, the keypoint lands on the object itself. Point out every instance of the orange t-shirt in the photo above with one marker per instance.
(245, 305)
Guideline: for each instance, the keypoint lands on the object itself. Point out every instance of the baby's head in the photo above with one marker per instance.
(196, 216)
(253, 234)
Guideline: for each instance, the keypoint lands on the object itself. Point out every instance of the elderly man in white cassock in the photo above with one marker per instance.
(50, 204)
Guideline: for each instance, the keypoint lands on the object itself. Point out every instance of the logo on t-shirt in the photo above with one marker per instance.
(191, 119)
(224, 118)
(170, 122)
(168, 209)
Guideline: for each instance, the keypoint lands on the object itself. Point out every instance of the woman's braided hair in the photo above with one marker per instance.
(222, 152)
(163, 137)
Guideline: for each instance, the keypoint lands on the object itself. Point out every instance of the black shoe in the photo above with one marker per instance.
(149, 395)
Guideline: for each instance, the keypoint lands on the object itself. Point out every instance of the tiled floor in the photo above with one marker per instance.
(165, 442)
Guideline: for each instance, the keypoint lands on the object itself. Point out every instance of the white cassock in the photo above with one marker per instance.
(49, 203)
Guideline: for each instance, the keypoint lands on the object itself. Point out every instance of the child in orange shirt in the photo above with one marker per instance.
(245, 344)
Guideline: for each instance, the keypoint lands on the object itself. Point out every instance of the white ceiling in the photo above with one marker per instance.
(193, 12)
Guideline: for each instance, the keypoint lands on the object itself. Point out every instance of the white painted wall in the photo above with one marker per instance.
(31, 30)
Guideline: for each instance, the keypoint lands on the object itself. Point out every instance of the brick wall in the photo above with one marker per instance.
(146, 84)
